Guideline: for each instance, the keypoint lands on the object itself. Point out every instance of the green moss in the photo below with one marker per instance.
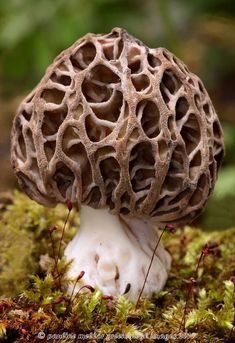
(16, 261)
(25, 240)
(44, 306)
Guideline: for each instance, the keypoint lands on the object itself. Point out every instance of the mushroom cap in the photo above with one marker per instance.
(115, 123)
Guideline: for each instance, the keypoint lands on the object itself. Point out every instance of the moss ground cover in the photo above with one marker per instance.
(34, 301)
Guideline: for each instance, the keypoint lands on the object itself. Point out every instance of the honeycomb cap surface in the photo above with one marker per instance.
(116, 124)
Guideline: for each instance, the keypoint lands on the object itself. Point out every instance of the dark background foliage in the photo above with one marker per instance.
(200, 32)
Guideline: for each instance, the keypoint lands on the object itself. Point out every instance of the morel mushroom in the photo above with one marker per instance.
(131, 135)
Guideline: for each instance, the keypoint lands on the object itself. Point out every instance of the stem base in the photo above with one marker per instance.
(114, 251)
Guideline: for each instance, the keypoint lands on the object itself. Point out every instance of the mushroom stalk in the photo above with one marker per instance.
(114, 251)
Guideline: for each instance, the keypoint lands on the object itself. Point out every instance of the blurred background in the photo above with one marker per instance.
(201, 33)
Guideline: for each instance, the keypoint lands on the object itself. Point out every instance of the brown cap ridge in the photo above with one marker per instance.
(114, 123)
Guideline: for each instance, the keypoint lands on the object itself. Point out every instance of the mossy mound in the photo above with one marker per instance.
(42, 310)
(24, 239)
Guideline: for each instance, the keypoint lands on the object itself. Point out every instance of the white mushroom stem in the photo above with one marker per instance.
(114, 251)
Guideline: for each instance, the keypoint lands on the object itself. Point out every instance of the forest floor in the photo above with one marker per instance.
(196, 305)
